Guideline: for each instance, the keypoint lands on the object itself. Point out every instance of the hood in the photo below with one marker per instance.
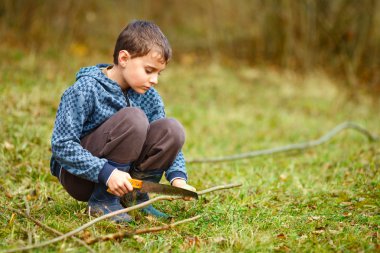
(96, 73)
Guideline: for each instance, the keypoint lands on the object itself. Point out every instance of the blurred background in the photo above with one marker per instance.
(341, 38)
(246, 75)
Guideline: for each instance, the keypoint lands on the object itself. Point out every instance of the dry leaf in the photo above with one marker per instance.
(347, 214)
(334, 232)
(8, 146)
(331, 242)
(85, 235)
(139, 239)
(218, 240)
(191, 241)
(319, 230)
(346, 203)
(281, 236)
(12, 219)
(8, 195)
(303, 237)
(205, 200)
(151, 218)
(30, 197)
(33, 195)
(283, 248)
(314, 218)
(251, 206)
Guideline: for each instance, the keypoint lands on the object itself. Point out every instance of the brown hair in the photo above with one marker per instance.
(139, 37)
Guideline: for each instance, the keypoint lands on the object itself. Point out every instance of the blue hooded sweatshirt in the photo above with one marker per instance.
(85, 105)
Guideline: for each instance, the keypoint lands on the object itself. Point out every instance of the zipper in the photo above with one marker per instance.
(127, 99)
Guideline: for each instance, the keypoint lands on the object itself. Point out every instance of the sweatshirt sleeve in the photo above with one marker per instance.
(76, 105)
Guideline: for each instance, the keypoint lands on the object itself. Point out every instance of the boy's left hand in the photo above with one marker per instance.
(181, 183)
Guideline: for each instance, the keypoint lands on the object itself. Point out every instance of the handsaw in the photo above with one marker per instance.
(146, 186)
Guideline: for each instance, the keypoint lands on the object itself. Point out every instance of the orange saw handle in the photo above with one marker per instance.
(136, 184)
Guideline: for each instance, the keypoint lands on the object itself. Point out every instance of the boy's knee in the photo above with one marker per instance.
(133, 113)
(174, 132)
(135, 120)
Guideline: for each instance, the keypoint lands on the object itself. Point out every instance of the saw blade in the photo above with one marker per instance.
(166, 189)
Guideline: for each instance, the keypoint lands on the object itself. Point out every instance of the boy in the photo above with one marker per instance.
(111, 126)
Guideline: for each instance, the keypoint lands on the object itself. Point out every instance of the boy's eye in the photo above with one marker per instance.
(152, 70)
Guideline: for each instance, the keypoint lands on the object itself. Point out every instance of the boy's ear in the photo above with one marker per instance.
(124, 56)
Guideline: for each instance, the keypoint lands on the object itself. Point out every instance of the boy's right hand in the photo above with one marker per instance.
(118, 183)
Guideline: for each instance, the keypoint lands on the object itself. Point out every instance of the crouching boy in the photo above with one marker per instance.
(111, 126)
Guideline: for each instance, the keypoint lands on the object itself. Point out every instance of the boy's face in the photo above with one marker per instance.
(141, 73)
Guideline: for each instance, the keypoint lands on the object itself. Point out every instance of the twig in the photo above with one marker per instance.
(125, 210)
(124, 234)
(27, 206)
(219, 187)
(297, 146)
(52, 230)
(27, 211)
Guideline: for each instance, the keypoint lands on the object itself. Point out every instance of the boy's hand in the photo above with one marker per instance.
(118, 183)
(181, 183)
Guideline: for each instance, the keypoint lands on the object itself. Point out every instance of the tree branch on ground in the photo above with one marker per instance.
(123, 234)
(291, 147)
(125, 210)
(47, 228)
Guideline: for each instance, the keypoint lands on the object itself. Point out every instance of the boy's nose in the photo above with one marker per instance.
(154, 79)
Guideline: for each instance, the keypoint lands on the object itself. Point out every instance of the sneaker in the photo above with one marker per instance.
(101, 202)
(138, 197)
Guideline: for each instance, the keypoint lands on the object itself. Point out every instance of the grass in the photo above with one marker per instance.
(324, 199)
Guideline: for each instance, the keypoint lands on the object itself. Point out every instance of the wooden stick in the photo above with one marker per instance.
(52, 230)
(88, 224)
(219, 187)
(124, 234)
(291, 147)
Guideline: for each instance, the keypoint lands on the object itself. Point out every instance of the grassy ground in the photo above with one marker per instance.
(324, 199)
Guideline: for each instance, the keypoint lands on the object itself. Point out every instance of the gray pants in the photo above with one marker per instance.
(128, 137)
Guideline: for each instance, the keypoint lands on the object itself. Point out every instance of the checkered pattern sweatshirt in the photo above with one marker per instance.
(90, 101)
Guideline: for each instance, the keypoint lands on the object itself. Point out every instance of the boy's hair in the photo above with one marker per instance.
(139, 37)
